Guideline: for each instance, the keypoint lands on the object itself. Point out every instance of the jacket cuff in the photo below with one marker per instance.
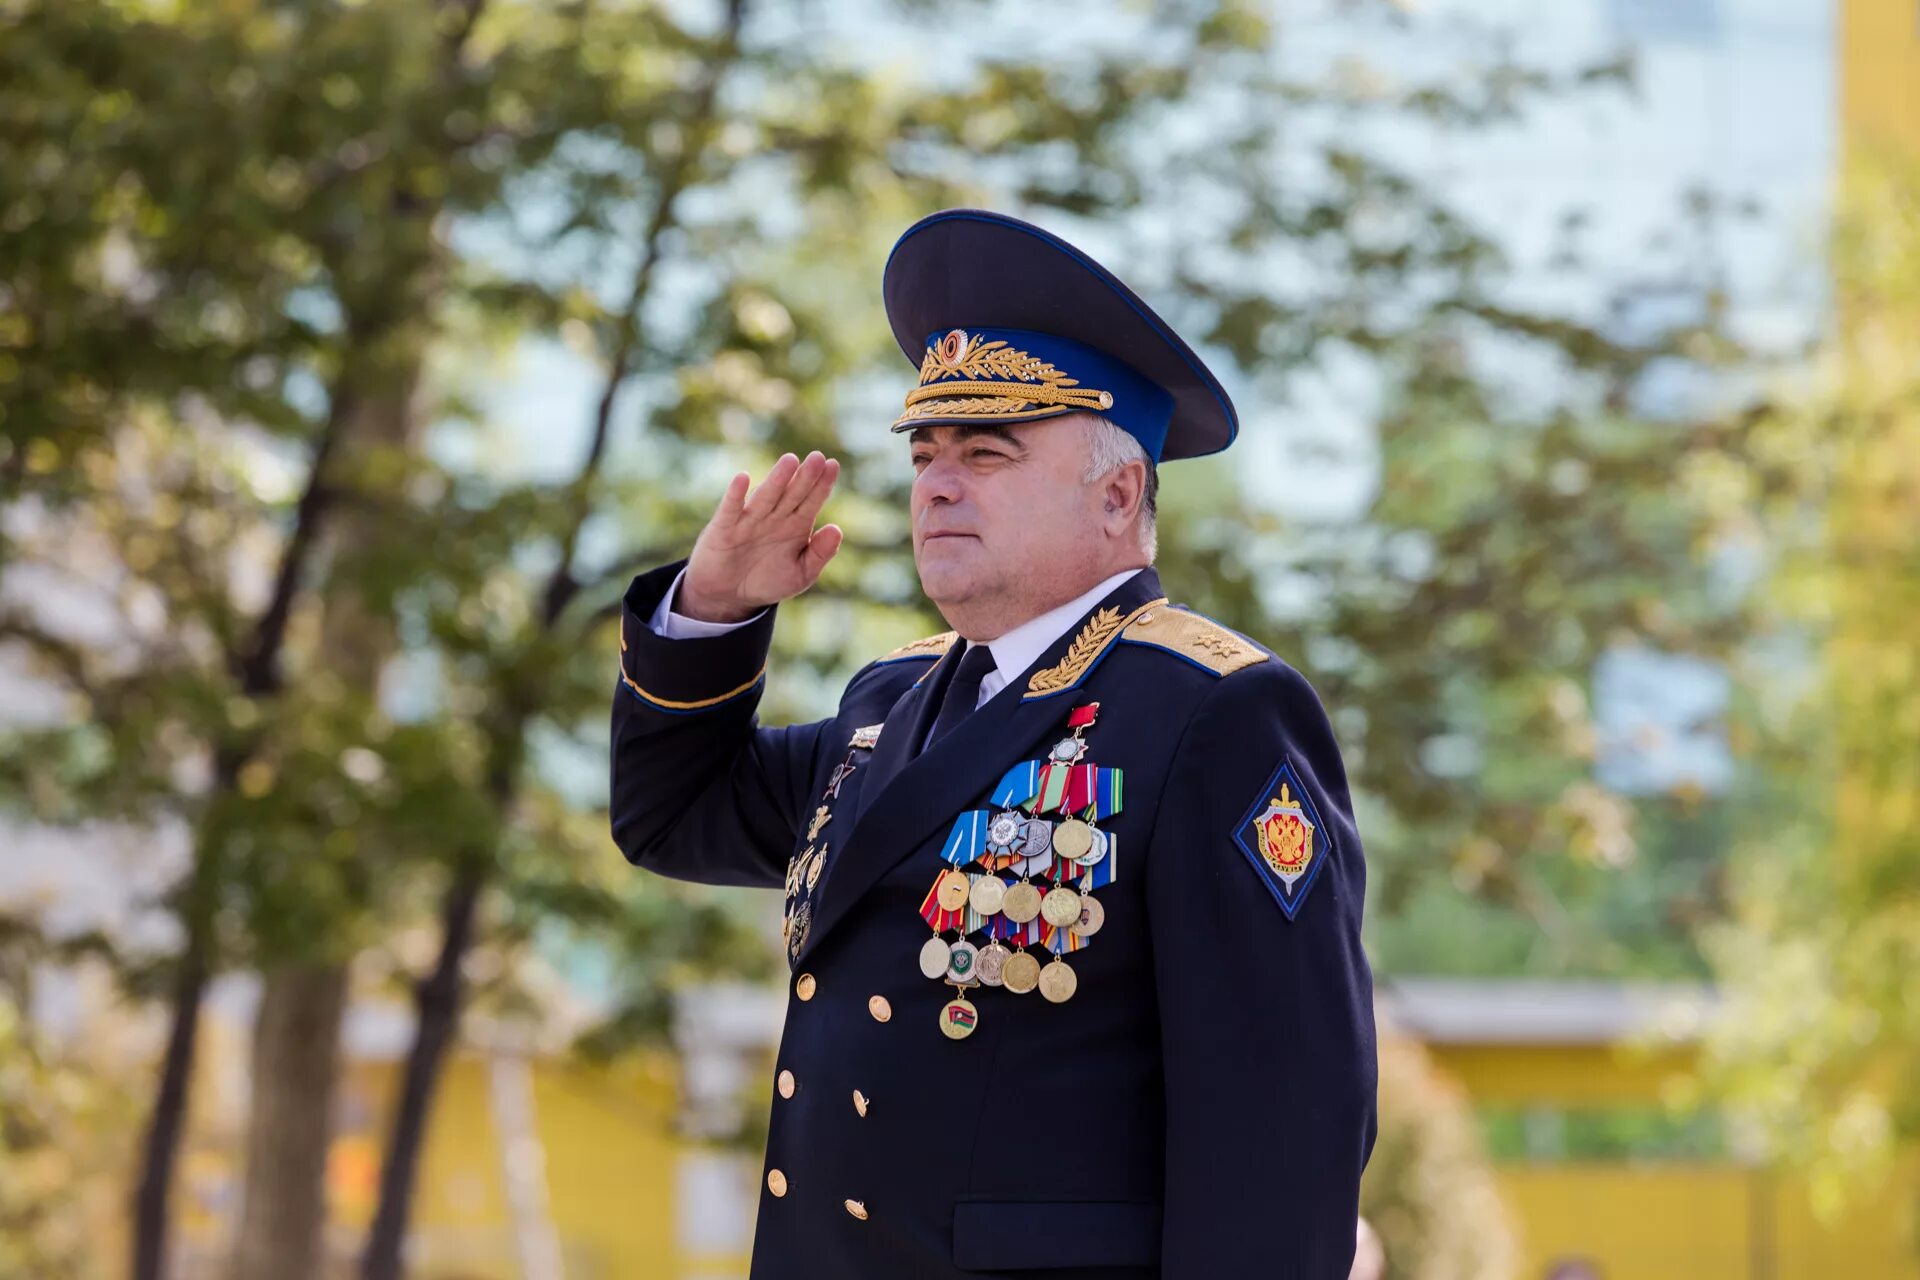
(685, 676)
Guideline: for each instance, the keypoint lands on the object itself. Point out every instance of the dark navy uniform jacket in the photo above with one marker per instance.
(1200, 1109)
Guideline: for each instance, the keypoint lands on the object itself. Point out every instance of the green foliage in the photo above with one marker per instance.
(1819, 1048)
(54, 1126)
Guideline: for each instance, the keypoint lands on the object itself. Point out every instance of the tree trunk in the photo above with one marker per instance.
(296, 1042)
(168, 1121)
(296, 1038)
(438, 1003)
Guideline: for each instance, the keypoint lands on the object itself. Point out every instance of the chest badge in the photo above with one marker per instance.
(841, 772)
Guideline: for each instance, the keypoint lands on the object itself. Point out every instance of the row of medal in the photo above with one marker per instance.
(1067, 854)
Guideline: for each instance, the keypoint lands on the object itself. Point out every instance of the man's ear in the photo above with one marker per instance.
(1122, 492)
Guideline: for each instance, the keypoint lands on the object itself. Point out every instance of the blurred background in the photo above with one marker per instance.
(354, 353)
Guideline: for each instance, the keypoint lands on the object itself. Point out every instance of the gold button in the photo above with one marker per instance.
(879, 1008)
(776, 1182)
(804, 987)
(860, 1102)
(786, 1084)
(857, 1209)
(1146, 619)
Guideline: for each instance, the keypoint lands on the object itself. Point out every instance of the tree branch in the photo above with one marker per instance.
(258, 669)
(562, 587)
(68, 659)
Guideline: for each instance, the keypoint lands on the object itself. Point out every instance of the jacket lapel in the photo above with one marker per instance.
(906, 725)
(913, 793)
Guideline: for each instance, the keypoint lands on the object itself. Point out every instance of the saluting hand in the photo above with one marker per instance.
(761, 547)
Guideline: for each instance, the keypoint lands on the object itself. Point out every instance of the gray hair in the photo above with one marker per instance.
(1110, 448)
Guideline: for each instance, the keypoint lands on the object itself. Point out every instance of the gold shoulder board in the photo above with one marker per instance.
(930, 647)
(1199, 640)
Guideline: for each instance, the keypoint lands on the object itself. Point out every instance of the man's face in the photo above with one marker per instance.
(1003, 523)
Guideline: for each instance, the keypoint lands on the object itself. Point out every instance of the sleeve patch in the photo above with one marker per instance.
(1284, 839)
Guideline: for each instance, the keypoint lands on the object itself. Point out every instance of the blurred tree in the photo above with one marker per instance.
(1428, 1190)
(1818, 1042)
(219, 345)
(56, 1118)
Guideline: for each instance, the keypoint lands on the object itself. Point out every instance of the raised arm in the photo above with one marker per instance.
(700, 791)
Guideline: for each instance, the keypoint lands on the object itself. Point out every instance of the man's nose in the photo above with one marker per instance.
(939, 481)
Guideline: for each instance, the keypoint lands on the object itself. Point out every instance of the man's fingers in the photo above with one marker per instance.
(822, 489)
(731, 501)
(766, 497)
(820, 549)
(804, 479)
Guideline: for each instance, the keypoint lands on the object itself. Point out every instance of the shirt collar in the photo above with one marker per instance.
(1015, 651)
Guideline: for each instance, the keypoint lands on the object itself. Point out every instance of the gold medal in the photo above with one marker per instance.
(952, 893)
(989, 894)
(958, 1018)
(1061, 907)
(933, 957)
(1072, 839)
(992, 965)
(1022, 903)
(1092, 916)
(963, 959)
(813, 870)
(1021, 973)
(1058, 981)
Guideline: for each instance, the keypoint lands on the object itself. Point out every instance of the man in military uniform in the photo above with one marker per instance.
(1074, 889)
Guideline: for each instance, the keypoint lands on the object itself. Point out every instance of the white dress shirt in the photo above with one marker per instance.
(1013, 652)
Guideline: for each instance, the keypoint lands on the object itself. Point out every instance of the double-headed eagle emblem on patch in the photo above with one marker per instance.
(1284, 840)
(1286, 836)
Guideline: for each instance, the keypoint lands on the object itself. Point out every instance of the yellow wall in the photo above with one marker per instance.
(1879, 75)
(1697, 1222)
(1564, 1075)
(610, 1155)
(1669, 1220)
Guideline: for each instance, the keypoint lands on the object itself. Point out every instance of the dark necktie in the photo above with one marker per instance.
(963, 691)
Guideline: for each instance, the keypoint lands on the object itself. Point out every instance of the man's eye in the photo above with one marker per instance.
(985, 455)
(920, 461)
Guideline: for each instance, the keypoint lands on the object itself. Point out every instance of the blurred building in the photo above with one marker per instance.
(1575, 1084)
(1581, 1089)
